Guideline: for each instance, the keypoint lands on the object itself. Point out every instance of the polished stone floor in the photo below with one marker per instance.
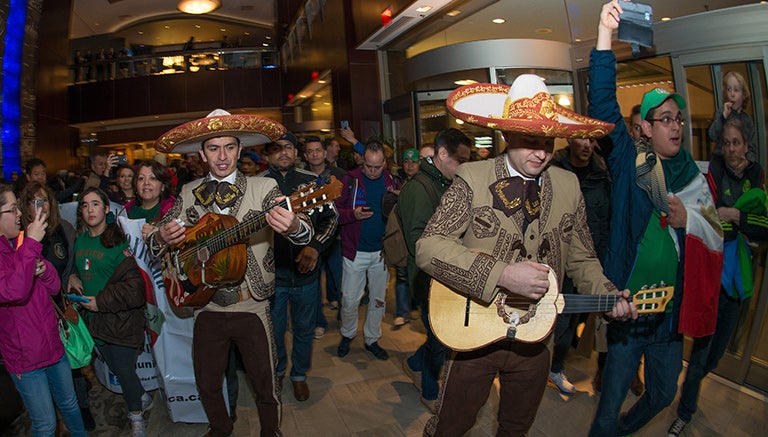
(362, 396)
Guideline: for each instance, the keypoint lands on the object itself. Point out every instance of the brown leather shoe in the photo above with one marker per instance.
(300, 390)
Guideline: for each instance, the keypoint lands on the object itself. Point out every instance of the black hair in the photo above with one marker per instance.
(451, 139)
(32, 163)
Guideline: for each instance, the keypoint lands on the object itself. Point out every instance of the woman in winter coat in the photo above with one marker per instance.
(30, 344)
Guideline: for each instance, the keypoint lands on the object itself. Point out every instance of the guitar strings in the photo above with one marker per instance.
(225, 234)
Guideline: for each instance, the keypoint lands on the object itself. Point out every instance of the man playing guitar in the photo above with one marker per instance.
(237, 312)
(500, 227)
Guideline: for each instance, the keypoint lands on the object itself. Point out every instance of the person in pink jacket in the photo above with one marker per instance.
(30, 345)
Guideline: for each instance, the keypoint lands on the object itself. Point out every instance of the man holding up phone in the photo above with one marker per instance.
(362, 228)
(663, 225)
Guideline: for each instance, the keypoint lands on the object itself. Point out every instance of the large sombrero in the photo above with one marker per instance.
(525, 107)
(250, 129)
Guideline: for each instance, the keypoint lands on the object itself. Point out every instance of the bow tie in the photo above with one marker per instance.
(223, 193)
(511, 194)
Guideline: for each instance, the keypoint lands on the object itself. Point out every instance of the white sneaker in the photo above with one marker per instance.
(400, 321)
(319, 332)
(146, 402)
(560, 382)
(677, 427)
(138, 425)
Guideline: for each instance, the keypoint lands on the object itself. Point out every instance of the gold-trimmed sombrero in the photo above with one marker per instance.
(525, 107)
(250, 129)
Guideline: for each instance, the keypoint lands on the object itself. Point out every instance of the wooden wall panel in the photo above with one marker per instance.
(132, 97)
(242, 88)
(204, 90)
(167, 94)
(98, 101)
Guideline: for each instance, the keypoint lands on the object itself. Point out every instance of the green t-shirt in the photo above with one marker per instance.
(95, 263)
(656, 259)
(137, 212)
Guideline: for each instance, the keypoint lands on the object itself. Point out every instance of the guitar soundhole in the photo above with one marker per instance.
(511, 315)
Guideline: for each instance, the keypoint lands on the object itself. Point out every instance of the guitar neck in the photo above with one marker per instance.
(241, 231)
(598, 303)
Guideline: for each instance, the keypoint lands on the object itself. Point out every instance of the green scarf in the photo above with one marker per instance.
(657, 177)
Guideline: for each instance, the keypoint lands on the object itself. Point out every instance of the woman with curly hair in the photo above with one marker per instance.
(154, 194)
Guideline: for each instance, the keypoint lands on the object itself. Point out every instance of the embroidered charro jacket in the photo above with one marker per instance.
(258, 194)
(468, 242)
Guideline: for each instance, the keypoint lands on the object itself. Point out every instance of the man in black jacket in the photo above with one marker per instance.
(297, 270)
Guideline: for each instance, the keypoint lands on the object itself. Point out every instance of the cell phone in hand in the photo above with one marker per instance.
(344, 124)
(121, 160)
(366, 209)
(636, 24)
(39, 203)
(76, 298)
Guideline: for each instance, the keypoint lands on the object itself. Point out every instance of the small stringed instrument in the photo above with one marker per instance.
(464, 324)
(213, 253)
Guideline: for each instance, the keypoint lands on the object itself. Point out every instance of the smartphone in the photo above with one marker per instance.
(76, 298)
(121, 160)
(344, 124)
(366, 209)
(636, 24)
(39, 203)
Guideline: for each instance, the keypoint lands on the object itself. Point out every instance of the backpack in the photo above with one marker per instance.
(393, 244)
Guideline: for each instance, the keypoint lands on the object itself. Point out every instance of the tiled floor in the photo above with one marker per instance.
(362, 396)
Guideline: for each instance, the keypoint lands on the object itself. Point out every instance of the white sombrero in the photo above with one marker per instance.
(250, 129)
(526, 107)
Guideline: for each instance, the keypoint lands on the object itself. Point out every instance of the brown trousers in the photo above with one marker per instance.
(467, 381)
(213, 334)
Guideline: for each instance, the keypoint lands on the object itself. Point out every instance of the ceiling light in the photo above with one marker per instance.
(167, 27)
(453, 13)
(222, 29)
(268, 37)
(197, 26)
(265, 44)
(544, 30)
(463, 82)
(423, 9)
(322, 81)
(140, 32)
(665, 18)
(198, 6)
(499, 20)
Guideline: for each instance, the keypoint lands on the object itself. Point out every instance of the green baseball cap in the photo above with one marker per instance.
(656, 97)
(412, 154)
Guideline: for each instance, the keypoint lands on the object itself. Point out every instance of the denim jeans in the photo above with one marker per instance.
(40, 388)
(706, 354)
(402, 296)
(428, 359)
(370, 266)
(663, 350)
(122, 362)
(303, 310)
(331, 265)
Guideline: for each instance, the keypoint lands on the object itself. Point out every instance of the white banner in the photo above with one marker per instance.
(173, 348)
(145, 368)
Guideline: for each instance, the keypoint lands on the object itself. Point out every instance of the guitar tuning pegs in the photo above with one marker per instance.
(644, 287)
(662, 284)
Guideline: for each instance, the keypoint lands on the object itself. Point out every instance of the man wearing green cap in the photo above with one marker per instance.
(664, 229)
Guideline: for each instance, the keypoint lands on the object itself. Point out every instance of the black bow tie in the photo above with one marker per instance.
(223, 193)
(511, 194)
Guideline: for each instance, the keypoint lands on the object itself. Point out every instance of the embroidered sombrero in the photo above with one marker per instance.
(524, 107)
(250, 129)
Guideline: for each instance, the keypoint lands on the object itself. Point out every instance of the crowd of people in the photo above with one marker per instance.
(623, 207)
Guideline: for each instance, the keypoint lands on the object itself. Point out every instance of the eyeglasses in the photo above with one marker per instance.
(14, 209)
(666, 121)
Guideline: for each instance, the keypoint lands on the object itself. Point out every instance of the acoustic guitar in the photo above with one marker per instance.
(213, 253)
(464, 324)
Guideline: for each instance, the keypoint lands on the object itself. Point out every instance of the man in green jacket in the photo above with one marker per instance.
(416, 206)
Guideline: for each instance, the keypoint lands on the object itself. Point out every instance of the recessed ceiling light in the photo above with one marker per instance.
(465, 82)
(577, 40)
(321, 81)
(315, 110)
(499, 20)
(246, 33)
(197, 7)
(665, 18)
(265, 44)
(453, 13)
(423, 9)
(167, 27)
(140, 32)
(544, 30)
(223, 29)
(327, 103)
(268, 37)
(197, 26)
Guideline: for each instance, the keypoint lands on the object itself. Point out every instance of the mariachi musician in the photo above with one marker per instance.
(238, 311)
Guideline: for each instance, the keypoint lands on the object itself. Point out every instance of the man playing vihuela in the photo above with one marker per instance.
(505, 231)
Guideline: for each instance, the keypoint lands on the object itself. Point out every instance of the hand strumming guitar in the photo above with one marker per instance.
(528, 279)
